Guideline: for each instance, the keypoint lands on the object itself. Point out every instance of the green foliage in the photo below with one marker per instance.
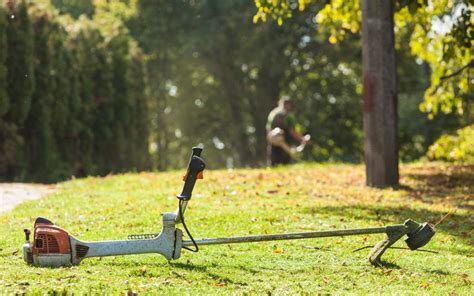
(16, 82)
(325, 91)
(20, 62)
(455, 148)
(140, 122)
(4, 100)
(122, 100)
(10, 140)
(62, 89)
(210, 67)
(160, 29)
(446, 51)
(199, 72)
(438, 34)
(40, 151)
(79, 119)
(215, 76)
(75, 8)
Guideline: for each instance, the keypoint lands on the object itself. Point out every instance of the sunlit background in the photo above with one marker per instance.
(97, 87)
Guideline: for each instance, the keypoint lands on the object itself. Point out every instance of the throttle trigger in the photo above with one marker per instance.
(185, 176)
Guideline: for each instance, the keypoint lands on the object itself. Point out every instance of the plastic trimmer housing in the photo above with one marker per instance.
(53, 246)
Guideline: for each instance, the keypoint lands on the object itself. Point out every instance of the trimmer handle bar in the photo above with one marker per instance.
(195, 171)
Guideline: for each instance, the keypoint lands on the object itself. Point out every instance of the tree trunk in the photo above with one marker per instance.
(235, 101)
(380, 94)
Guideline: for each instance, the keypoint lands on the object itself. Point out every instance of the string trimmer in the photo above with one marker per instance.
(277, 138)
(54, 246)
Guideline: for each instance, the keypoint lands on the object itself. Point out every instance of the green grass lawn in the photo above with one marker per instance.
(248, 202)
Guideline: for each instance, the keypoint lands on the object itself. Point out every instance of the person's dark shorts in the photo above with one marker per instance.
(278, 156)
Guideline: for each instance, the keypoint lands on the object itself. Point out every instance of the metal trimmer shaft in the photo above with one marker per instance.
(287, 236)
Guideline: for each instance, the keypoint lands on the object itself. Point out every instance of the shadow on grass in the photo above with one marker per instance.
(204, 270)
(438, 272)
(450, 178)
(454, 184)
(389, 265)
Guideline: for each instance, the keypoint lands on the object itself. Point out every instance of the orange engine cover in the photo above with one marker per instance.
(50, 239)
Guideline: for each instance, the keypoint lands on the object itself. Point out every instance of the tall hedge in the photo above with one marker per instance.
(104, 120)
(21, 81)
(85, 46)
(17, 86)
(80, 103)
(39, 144)
(61, 89)
(8, 131)
(139, 125)
(4, 102)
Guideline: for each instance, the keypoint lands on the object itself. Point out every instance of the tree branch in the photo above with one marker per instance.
(458, 71)
(455, 73)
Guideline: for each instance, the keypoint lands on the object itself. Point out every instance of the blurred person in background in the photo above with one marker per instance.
(281, 132)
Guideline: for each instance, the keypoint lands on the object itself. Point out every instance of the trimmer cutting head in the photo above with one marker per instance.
(419, 234)
(420, 237)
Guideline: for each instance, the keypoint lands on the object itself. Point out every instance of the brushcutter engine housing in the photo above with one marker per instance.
(53, 247)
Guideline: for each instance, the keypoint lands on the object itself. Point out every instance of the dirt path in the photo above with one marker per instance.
(12, 194)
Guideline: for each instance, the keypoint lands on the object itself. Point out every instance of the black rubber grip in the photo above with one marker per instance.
(196, 151)
(195, 166)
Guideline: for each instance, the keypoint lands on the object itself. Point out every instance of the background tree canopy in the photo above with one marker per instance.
(95, 87)
(439, 34)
